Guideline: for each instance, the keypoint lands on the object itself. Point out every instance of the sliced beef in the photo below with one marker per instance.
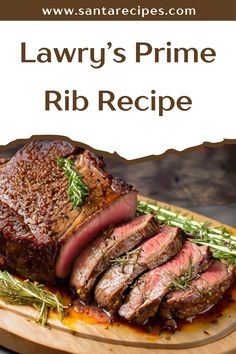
(144, 299)
(35, 189)
(153, 252)
(96, 258)
(201, 294)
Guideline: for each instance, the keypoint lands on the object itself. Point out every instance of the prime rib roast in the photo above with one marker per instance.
(126, 263)
(41, 232)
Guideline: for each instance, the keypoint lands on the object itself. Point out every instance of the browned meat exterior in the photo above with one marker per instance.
(35, 188)
(152, 253)
(29, 253)
(96, 258)
(203, 293)
(21, 250)
(144, 299)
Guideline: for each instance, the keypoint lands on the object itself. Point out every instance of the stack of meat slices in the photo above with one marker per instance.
(137, 285)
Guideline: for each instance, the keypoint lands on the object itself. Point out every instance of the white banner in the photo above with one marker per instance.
(133, 126)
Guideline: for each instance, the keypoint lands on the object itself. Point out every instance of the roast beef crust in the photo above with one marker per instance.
(21, 250)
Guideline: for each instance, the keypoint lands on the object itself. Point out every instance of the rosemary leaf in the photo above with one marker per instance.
(129, 258)
(77, 190)
(182, 282)
(221, 241)
(27, 293)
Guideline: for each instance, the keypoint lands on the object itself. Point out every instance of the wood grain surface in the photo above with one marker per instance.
(18, 332)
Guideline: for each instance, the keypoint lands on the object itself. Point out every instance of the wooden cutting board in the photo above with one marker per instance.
(19, 332)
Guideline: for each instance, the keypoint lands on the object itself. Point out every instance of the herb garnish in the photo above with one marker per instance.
(77, 190)
(182, 282)
(16, 292)
(130, 258)
(221, 241)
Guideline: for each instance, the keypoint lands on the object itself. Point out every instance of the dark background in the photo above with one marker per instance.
(203, 180)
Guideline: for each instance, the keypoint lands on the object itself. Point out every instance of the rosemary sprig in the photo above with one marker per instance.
(77, 190)
(221, 241)
(16, 292)
(130, 258)
(182, 282)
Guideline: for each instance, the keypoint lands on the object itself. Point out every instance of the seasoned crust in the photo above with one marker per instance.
(34, 196)
(33, 185)
(21, 251)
